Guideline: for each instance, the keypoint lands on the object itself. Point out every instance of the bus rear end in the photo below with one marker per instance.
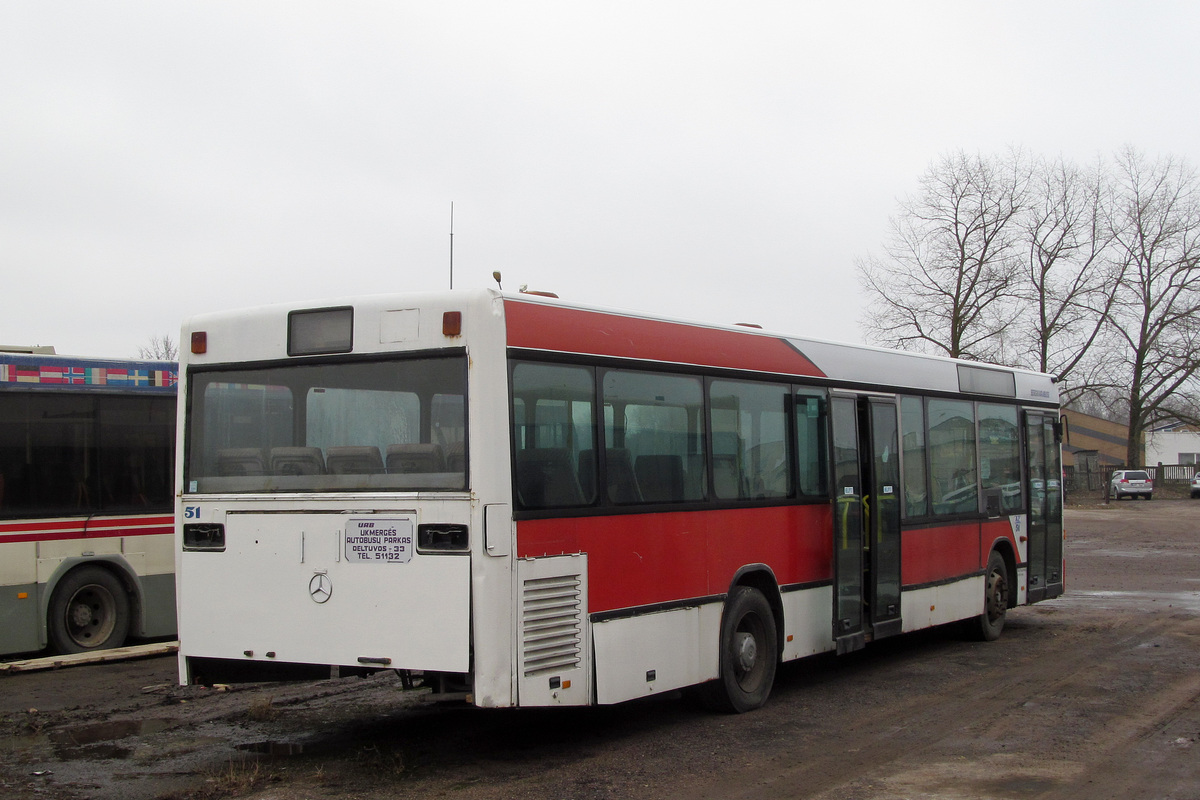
(326, 524)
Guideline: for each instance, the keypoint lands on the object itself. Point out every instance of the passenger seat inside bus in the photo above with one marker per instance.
(237, 461)
(660, 478)
(415, 458)
(297, 461)
(622, 482)
(456, 458)
(546, 479)
(354, 460)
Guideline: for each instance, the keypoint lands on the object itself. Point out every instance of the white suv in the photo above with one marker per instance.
(1131, 483)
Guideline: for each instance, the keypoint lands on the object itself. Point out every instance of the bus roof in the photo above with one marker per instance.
(550, 324)
(541, 323)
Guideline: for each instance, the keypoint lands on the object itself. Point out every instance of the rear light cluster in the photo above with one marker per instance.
(430, 538)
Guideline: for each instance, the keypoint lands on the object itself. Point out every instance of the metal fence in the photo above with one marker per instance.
(1093, 477)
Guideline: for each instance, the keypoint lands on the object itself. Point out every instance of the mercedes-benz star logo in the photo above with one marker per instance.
(320, 588)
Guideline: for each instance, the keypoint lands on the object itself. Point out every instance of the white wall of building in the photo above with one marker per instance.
(1172, 447)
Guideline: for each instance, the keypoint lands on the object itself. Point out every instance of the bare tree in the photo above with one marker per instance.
(1090, 275)
(952, 261)
(1068, 286)
(1156, 221)
(160, 348)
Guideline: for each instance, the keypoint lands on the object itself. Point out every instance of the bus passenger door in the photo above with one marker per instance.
(866, 521)
(883, 504)
(848, 629)
(1045, 546)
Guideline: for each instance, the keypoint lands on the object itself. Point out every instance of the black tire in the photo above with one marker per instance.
(88, 611)
(749, 654)
(990, 623)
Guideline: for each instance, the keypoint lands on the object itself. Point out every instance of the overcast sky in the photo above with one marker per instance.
(718, 161)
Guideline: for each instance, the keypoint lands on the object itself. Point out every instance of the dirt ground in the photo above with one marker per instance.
(1093, 695)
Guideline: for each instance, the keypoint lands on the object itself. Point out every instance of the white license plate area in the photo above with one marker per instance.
(379, 541)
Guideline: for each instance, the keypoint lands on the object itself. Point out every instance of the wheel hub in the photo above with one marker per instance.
(91, 615)
(746, 650)
(81, 615)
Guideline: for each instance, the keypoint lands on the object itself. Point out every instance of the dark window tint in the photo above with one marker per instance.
(554, 445)
(394, 424)
(658, 421)
(65, 454)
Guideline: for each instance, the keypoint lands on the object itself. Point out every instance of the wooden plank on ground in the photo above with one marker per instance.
(98, 657)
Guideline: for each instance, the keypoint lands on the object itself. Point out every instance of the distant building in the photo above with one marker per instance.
(1175, 443)
(1094, 444)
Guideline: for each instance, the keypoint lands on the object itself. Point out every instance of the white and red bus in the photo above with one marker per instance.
(536, 503)
(86, 533)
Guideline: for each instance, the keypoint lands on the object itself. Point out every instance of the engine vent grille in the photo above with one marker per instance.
(551, 627)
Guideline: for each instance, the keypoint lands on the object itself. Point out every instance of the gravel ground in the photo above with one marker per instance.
(1093, 695)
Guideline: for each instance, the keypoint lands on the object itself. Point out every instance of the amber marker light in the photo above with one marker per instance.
(199, 342)
(452, 323)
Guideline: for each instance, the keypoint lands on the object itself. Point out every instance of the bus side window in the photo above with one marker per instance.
(553, 431)
(659, 420)
(912, 439)
(1000, 459)
(749, 434)
(811, 457)
(953, 472)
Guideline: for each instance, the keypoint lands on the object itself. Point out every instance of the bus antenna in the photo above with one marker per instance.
(451, 244)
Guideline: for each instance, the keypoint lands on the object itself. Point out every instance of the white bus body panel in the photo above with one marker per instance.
(808, 627)
(653, 653)
(284, 586)
(939, 605)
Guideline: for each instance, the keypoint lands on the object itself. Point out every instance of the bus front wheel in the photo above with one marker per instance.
(88, 611)
(749, 654)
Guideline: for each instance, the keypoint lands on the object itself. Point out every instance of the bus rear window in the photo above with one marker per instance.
(393, 425)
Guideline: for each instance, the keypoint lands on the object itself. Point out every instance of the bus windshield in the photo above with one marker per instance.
(395, 424)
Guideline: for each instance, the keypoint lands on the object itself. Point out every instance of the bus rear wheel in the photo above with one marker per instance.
(990, 623)
(88, 611)
(749, 654)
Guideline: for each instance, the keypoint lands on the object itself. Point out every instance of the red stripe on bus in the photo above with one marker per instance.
(642, 559)
(95, 528)
(573, 330)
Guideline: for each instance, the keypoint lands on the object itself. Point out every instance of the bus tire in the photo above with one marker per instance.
(88, 611)
(990, 623)
(749, 654)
